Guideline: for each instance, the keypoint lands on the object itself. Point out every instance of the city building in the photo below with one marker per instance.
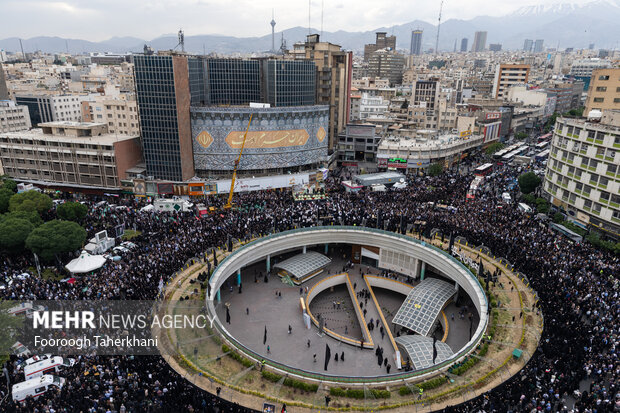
(121, 115)
(163, 95)
(568, 94)
(480, 42)
(538, 45)
(495, 47)
(582, 69)
(382, 41)
(13, 117)
(357, 146)
(4, 91)
(370, 106)
(527, 45)
(333, 76)
(51, 107)
(583, 175)
(425, 95)
(69, 155)
(416, 42)
(192, 110)
(507, 75)
(418, 153)
(604, 91)
(388, 64)
(464, 44)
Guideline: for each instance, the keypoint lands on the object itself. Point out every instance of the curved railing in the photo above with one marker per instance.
(352, 380)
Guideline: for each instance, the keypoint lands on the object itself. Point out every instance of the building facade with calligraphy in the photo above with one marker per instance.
(280, 140)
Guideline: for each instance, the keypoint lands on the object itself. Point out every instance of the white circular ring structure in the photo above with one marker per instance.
(447, 265)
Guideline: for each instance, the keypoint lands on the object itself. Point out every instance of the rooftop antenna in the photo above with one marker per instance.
(22, 47)
(181, 43)
(273, 33)
(438, 27)
(309, 30)
(322, 7)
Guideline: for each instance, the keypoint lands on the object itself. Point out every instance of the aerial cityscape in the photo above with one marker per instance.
(310, 207)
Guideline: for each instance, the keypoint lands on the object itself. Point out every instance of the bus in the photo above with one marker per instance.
(510, 156)
(546, 137)
(483, 170)
(542, 145)
(560, 229)
(542, 155)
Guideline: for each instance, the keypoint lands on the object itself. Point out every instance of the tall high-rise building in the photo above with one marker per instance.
(382, 41)
(507, 75)
(163, 94)
(334, 73)
(495, 47)
(464, 44)
(387, 64)
(538, 45)
(273, 32)
(416, 42)
(527, 45)
(173, 89)
(4, 91)
(480, 42)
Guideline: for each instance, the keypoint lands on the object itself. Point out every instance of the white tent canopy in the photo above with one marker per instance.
(85, 263)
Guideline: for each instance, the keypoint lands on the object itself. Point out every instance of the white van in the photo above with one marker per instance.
(378, 187)
(47, 366)
(34, 359)
(524, 207)
(25, 309)
(506, 198)
(36, 387)
(20, 350)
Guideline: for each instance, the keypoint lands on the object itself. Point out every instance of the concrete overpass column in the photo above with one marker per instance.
(422, 270)
(456, 288)
(304, 249)
(239, 276)
(268, 262)
(219, 299)
(326, 249)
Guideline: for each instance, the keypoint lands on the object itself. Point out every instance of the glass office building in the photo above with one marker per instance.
(232, 81)
(290, 82)
(157, 94)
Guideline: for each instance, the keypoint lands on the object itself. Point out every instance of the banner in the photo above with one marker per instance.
(165, 188)
(196, 189)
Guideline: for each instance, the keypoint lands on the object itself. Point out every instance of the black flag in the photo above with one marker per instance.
(434, 349)
(328, 355)
(214, 258)
(227, 315)
(230, 244)
(265, 336)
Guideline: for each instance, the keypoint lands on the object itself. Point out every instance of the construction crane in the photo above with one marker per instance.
(234, 176)
(438, 27)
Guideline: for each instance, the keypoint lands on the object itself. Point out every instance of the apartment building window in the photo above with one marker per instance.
(612, 169)
(598, 100)
(601, 88)
(603, 77)
(605, 196)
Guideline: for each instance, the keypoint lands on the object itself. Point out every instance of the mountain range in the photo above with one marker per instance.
(563, 25)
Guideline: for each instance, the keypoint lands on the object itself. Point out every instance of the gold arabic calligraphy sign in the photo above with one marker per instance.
(268, 139)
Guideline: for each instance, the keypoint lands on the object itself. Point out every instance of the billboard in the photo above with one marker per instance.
(397, 163)
(264, 182)
(165, 188)
(279, 137)
(493, 115)
(418, 163)
(196, 188)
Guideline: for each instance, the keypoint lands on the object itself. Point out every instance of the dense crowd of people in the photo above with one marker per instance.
(576, 283)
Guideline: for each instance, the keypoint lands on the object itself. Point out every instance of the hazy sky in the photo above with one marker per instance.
(101, 19)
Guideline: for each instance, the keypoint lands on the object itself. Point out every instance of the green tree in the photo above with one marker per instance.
(558, 218)
(11, 326)
(31, 216)
(56, 237)
(5, 196)
(494, 147)
(542, 206)
(13, 234)
(72, 211)
(435, 169)
(521, 135)
(528, 182)
(10, 185)
(30, 201)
